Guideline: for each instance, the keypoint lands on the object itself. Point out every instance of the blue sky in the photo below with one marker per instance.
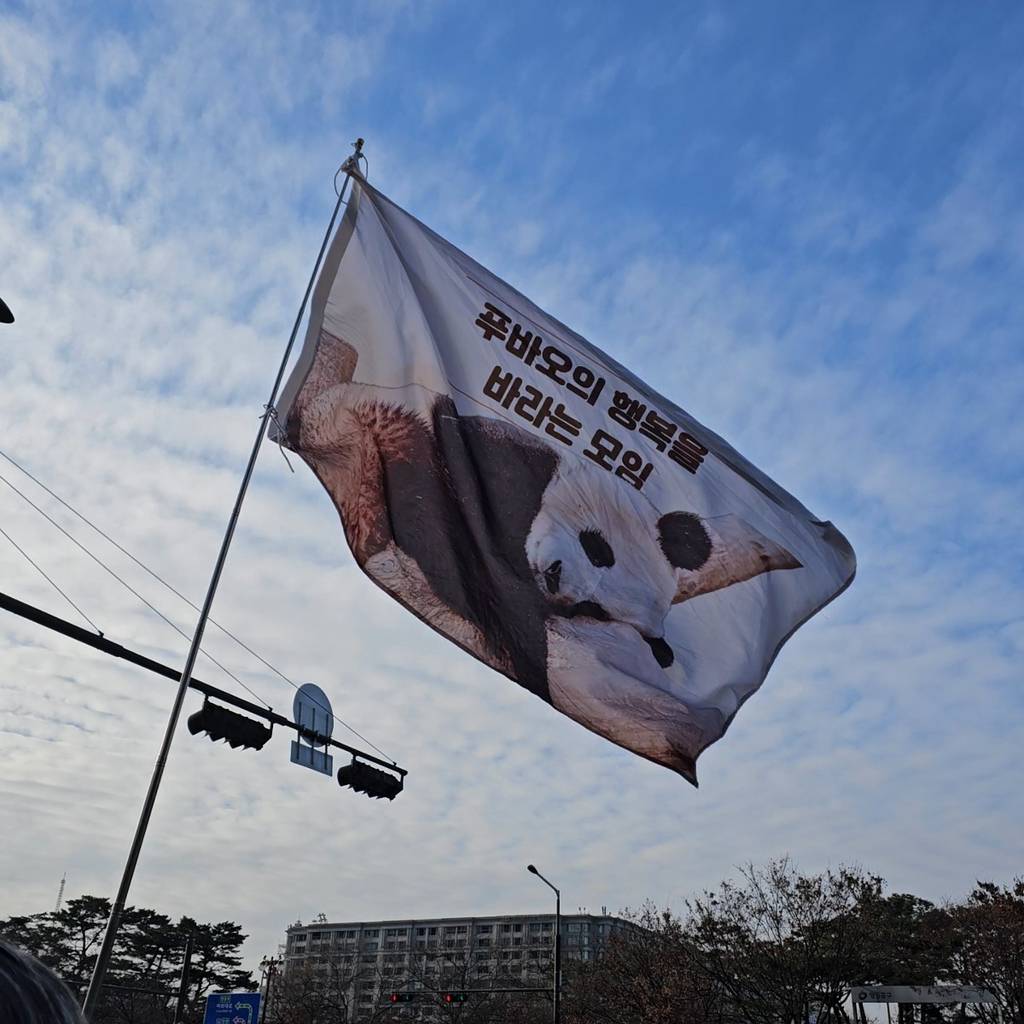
(804, 223)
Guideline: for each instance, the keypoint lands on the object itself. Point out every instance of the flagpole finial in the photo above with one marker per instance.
(351, 164)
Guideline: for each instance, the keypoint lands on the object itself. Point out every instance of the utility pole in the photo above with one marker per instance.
(186, 969)
(269, 965)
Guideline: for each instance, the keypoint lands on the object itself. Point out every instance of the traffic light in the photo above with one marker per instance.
(220, 724)
(455, 997)
(403, 997)
(371, 781)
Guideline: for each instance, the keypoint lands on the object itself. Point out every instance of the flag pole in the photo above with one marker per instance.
(117, 907)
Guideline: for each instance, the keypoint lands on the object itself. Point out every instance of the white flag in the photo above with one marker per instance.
(539, 505)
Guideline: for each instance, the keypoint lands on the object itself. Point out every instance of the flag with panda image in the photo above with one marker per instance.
(536, 503)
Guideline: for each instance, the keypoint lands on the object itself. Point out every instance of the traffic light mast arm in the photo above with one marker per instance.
(100, 643)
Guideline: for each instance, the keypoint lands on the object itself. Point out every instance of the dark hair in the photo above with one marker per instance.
(30, 993)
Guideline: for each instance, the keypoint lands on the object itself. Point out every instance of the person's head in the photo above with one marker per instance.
(30, 993)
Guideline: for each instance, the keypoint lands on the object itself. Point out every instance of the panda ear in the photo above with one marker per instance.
(684, 540)
(709, 554)
(334, 363)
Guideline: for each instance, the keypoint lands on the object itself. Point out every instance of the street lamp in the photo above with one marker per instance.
(557, 987)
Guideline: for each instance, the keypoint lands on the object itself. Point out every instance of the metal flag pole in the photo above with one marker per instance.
(116, 909)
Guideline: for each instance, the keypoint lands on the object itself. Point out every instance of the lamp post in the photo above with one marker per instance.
(557, 986)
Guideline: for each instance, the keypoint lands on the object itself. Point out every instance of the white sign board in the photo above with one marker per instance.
(921, 994)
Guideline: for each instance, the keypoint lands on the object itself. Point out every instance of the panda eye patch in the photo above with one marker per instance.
(597, 549)
(687, 545)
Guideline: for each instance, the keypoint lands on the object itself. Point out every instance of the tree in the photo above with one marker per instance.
(989, 948)
(216, 958)
(66, 941)
(646, 974)
(147, 959)
(910, 942)
(458, 968)
(780, 945)
(311, 993)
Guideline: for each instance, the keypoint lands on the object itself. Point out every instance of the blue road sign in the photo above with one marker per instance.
(232, 1008)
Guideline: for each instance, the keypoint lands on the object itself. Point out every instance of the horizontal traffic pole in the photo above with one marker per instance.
(100, 643)
(424, 994)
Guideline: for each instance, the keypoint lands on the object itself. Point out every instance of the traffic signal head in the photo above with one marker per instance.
(455, 997)
(220, 724)
(403, 997)
(371, 781)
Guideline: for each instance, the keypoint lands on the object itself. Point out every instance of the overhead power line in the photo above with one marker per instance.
(124, 583)
(35, 565)
(159, 579)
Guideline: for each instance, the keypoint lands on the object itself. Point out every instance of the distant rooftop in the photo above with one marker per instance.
(461, 919)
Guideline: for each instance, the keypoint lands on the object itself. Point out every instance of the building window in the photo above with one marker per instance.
(371, 933)
(484, 929)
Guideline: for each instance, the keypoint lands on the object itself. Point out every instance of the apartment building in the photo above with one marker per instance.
(369, 960)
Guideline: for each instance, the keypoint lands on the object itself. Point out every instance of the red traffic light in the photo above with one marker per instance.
(455, 997)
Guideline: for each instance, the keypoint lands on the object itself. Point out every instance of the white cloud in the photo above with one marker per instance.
(158, 230)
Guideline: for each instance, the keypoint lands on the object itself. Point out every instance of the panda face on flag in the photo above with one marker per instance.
(536, 503)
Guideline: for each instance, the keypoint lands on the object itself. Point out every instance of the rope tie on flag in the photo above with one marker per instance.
(272, 412)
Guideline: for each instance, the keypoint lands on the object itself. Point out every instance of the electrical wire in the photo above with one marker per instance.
(35, 565)
(156, 576)
(124, 583)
